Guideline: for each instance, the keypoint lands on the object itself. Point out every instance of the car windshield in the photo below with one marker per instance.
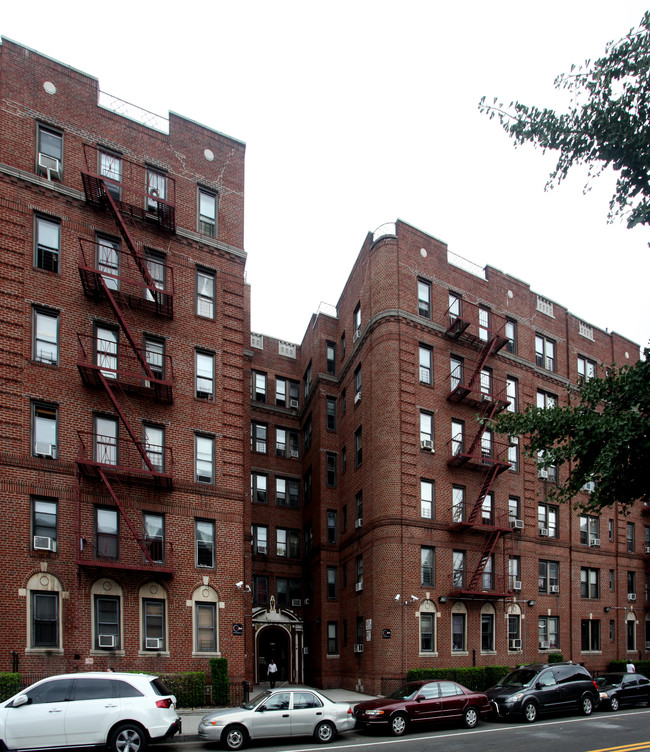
(256, 700)
(609, 679)
(519, 678)
(404, 693)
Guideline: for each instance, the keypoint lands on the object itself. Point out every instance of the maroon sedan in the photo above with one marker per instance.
(423, 702)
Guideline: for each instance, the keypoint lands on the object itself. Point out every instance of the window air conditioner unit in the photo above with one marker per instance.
(543, 474)
(358, 523)
(631, 596)
(357, 397)
(543, 532)
(358, 647)
(514, 645)
(261, 549)
(554, 588)
(260, 446)
(296, 602)
(305, 651)
(595, 542)
(43, 449)
(589, 487)
(153, 643)
(426, 444)
(204, 478)
(49, 166)
(294, 454)
(294, 404)
(203, 395)
(518, 524)
(516, 585)
(106, 641)
(544, 645)
(281, 452)
(486, 398)
(355, 336)
(43, 543)
(358, 587)
(647, 549)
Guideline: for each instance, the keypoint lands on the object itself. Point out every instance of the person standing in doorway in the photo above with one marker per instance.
(272, 670)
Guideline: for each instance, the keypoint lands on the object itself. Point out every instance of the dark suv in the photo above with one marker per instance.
(544, 688)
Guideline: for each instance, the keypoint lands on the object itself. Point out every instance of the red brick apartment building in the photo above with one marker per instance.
(384, 529)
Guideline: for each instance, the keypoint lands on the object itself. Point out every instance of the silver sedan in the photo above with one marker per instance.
(278, 713)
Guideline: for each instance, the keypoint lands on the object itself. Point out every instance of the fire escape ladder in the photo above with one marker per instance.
(130, 243)
(127, 425)
(488, 480)
(487, 552)
(138, 539)
(487, 412)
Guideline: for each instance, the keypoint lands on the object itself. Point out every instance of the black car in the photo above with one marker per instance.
(623, 689)
(544, 688)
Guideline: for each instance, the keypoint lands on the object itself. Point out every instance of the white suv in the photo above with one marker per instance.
(123, 711)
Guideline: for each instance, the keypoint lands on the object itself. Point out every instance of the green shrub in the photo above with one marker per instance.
(473, 677)
(642, 667)
(555, 657)
(220, 681)
(189, 688)
(9, 685)
(494, 673)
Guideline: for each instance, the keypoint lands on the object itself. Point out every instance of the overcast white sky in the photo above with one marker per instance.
(358, 113)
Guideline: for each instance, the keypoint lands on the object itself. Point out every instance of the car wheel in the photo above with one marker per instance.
(470, 717)
(234, 737)
(614, 704)
(398, 724)
(128, 737)
(324, 732)
(586, 705)
(530, 712)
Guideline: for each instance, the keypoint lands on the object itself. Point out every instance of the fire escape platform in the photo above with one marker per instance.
(129, 557)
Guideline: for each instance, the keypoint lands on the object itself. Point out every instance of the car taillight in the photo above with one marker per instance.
(595, 685)
(350, 710)
(166, 703)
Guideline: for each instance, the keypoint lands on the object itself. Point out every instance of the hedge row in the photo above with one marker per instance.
(189, 688)
(9, 685)
(642, 667)
(220, 681)
(476, 678)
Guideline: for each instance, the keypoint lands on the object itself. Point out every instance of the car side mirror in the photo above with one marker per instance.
(20, 700)
(418, 698)
(261, 709)
(538, 685)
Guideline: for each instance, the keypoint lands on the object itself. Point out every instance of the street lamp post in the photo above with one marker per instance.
(404, 603)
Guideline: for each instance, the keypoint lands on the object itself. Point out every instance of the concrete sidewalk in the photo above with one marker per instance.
(191, 717)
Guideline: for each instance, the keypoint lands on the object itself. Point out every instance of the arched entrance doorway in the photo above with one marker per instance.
(278, 634)
(274, 643)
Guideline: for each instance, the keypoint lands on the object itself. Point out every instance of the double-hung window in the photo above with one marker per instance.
(50, 153)
(153, 527)
(206, 627)
(260, 539)
(549, 632)
(589, 582)
(547, 520)
(107, 621)
(156, 189)
(332, 590)
(205, 293)
(203, 459)
(46, 337)
(589, 530)
(259, 488)
(44, 524)
(549, 576)
(110, 168)
(586, 368)
(204, 536)
(427, 566)
(45, 620)
(207, 213)
(258, 386)
(44, 430)
(330, 407)
(204, 385)
(545, 352)
(153, 618)
(106, 533)
(424, 298)
(48, 243)
(426, 498)
(426, 365)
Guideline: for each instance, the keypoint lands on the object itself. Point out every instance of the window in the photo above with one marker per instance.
(514, 509)
(545, 400)
(343, 346)
(356, 322)
(427, 632)
(426, 365)
(44, 430)
(427, 565)
(630, 624)
(332, 638)
(358, 447)
(45, 620)
(549, 633)
(204, 536)
(483, 323)
(514, 572)
(156, 189)
(48, 244)
(307, 485)
(357, 384)
(205, 293)
(206, 627)
(612, 580)
(332, 593)
(204, 378)
(512, 394)
(287, 493)
(157, 268)
(610, 530)
(589, 530)
(487, 509)
(330, 358)
(458, 503)
(203, 459)
(288, 590)
(307, 381)
(545, 352)
(282, 386)
(260, 539)
(426, 499)
(426, 429)
(344, 459)
(629, 535)
(259, 490)
(154, 353)
(281, 392)
(487, 631)
(259, 437)
(108, 261)
(330, 407)
(332, 526)
(260, 590)
(154, 445)
(46, 337)
(207, 213)
(105, 446)
(458, 569)
(487, 444)
(485, 381)
(456, 373)
(306, 433)
(287, 443)
(424, 298)
(153, 528)
(631, 583)
(457, 437)
(458, 625)
(488, 574)
(590, 634)
(514, 631)
(106, 350)
(358, 503)
(511, 334)
(331, 471)
(309, 537)
(549, 576)
(106, 533)
(454, 307)
(589, 582)
(513, 453)
(287, 543)
(107, 622)
(586, 368)
(50, 153)
(153, 622)
(258, 386)
(359, 573)
(44, 523)
(110, 167)
(546, 469)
